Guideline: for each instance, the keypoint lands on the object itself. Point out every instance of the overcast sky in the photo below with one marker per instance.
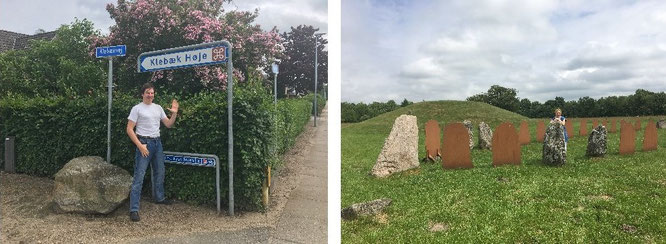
(449, 50)
(27, 16)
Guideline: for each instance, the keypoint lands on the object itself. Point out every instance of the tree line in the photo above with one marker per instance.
(641, 103)
(357, 112)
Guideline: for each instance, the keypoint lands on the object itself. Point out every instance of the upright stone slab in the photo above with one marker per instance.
(524, 134)
(569, 128)
(455, 148)
(485, 136)
(595, 123)
(541, 131)
(582, 131)
(605, 123)
(661, 124)
(432, 140)
(468, 125)
(627, 138)
(596, 142)
(613, 129)
(554, 152)
(90, 185)
(506, 147)
(638, 124)
(400, 151)
(650, 137)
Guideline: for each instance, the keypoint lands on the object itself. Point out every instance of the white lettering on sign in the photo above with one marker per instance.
(111, 50)
(190, 160)
(102, 52)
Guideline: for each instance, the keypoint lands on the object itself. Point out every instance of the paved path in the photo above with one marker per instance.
(303, 219)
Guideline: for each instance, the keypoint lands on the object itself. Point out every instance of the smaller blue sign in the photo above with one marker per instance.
(190, 160)
(102, 52)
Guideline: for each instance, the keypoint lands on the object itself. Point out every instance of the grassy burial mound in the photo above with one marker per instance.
(612, 198)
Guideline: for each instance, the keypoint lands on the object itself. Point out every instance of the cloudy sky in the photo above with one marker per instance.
(450, 50)
(27, 16)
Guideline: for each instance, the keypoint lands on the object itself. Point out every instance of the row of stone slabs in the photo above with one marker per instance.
(541, 128)
(400, 151)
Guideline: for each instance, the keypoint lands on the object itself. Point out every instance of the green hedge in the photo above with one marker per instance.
(51, 131)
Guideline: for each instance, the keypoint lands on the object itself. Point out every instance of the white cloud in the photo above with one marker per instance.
(27, 16)
(455, 49)
(286, 13)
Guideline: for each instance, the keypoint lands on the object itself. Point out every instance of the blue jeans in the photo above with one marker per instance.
(156, 160)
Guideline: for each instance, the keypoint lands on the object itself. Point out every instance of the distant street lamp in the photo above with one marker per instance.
(275, 72)
(315, 85)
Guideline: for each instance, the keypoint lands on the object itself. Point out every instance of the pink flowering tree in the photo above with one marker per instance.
(149, 25)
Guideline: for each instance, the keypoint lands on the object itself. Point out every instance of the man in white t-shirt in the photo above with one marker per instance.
(146, 117)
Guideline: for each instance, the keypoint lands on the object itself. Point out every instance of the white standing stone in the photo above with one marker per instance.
(400, 151)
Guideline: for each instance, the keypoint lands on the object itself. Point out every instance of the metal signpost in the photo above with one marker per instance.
(198, 55)
(109, 53)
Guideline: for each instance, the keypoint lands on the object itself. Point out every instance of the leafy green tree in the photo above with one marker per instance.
(537, 110)
(351, 113)
(405, 103)
(60, 67)
(524, 108)
(500, 97)
(570, 109)
(587, 106)
(348, 113)
(642, 102)
(297, 67)
(482, 97)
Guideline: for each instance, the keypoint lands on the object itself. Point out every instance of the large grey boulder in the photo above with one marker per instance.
(485, 136)
(596, 142)
(365, 209)
(554, 152)
(661, 124)
(400, 151)
(91, 185)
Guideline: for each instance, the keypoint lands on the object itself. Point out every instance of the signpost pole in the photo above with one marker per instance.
(230, 95)
(109, 53)
(108, 121)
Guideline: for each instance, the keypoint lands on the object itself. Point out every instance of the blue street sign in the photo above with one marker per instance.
(102, 52)
(181, 57)
(205, 160)
(190, 160)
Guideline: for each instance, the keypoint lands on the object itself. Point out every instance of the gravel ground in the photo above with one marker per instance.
(27, 215)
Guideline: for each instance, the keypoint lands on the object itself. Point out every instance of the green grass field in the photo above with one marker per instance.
(611, 199)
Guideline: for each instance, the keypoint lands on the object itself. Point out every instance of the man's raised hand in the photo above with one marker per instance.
(174, 106)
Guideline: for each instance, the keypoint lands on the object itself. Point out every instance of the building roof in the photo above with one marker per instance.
(16, 41)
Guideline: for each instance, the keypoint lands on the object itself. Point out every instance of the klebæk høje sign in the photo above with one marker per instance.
(196, 55)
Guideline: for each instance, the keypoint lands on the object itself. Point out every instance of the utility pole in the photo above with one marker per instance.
(315, 88)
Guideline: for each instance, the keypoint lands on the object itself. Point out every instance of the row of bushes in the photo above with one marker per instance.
(51, 131)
